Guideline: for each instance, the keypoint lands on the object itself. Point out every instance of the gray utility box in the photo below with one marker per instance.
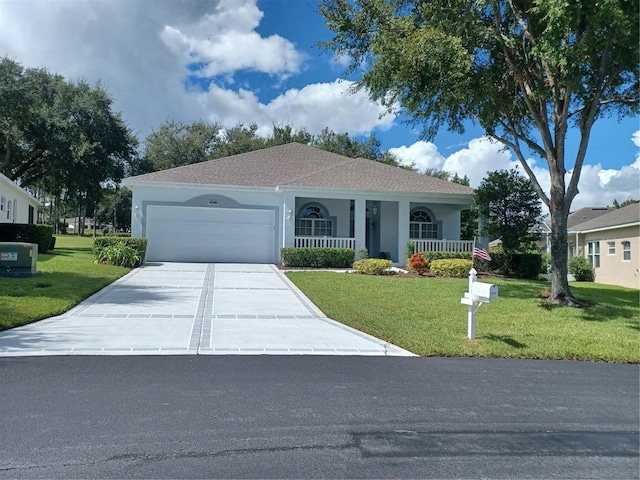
(18, 259)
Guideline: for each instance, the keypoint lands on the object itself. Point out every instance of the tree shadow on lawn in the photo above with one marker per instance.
(505, 339)
(607, 303)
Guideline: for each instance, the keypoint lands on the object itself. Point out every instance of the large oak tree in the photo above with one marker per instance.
(527, 71)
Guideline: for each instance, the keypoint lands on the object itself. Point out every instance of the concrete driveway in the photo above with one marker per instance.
(194, 308)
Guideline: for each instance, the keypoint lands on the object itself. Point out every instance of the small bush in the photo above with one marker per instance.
(581, 269)
(363, 253)
(317, 257)
(119, 254)
(137, 244)
(544, 293)
(456, 268)
(418, 264)
(372, 266)
(546, 263)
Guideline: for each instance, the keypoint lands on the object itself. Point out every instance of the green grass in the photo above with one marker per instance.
(425, 316)
(68, 277)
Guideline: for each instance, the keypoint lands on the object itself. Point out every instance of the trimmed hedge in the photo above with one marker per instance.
(372, 266)
(431, 256)
(28, 233)
(455, 268)
(137, 244)
(317, 257)
(520, 265)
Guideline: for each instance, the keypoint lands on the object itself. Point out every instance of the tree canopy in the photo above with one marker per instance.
(58, 137)
(526, 71)
(510, 207)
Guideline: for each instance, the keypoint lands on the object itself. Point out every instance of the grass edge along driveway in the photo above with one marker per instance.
(68, 276)
(425, 316)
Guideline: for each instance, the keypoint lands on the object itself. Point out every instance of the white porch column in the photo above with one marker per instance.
(360, 223)
(288, 220)
(404, 209)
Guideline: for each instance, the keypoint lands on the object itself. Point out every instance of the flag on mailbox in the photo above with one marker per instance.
(480, 252)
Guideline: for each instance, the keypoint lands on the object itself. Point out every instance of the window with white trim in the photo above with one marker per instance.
(9, 210)
(612, 248)
(2, 203)
(313, 222)
(593, 253)
(626, 251)
(422, 225)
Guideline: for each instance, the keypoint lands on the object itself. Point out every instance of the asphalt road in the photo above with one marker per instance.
(316, 417)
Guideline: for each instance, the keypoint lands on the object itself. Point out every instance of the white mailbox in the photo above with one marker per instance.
(484, 292)
(479, 293)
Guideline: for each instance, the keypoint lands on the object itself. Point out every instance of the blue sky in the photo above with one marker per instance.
(257, 61)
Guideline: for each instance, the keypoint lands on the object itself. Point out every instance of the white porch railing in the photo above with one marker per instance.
(324, 242)
(442, 245)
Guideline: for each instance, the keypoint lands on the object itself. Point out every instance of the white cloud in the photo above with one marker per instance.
(421, 155)
(597, 186)
(225, 41)
(313, 107)
(635, 138)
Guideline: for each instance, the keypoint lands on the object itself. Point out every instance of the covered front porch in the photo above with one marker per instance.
(384, 226)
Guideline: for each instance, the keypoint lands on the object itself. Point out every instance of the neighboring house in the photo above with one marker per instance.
(16, 205)
(579, 216)
(244, 208)
(611, 242)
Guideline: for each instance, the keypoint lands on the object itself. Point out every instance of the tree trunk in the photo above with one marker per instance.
(560, 293)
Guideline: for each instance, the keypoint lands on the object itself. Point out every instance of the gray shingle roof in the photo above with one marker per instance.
(586, 214)
(300, 165)
(629, 214)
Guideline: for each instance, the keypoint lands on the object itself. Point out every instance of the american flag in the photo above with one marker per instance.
(480, 252)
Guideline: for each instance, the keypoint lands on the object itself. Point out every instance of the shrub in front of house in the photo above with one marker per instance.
(317, 257)
(119, 254)
(581, 269)
(455, 268)
(372, 266)
(417, 263)
(28, 233)
(526, 265)
(431, 256)
(138, 245)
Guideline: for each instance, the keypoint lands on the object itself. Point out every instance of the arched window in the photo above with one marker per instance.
(422, 224)
(313, 221)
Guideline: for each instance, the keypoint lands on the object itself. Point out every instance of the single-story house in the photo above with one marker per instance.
(574, 218)
(611, 242)
(244, 208)
(16, 204)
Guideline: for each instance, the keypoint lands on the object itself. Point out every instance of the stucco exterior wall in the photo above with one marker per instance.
(614, 270)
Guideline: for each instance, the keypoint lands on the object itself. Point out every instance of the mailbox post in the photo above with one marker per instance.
(478, 294)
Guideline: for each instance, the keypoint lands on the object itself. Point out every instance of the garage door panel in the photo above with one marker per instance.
(196, 234)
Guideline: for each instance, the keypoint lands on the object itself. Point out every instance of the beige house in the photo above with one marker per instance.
(611, 242)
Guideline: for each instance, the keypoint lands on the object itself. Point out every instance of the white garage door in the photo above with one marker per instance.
(195, 234)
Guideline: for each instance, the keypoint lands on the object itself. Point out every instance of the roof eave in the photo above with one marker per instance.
(602, 229)
(198, 186)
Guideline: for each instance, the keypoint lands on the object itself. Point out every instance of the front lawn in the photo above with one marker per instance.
(425, 316)
(68, 277)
